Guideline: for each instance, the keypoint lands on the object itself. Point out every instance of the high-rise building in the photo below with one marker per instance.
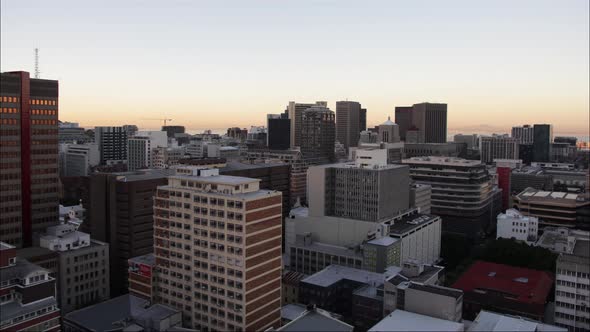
(356, 192)
(295, 111)
(78, 159)
(220, 237)
(318, 134)
(463, 193)
(120, 213)
(431, 121)
(28, 156)
(498, 147)
(140, 148)
(83, 266)
(112, 144)
(171, 131)
(389, 132)
(403, 118)
(524, 134)
(543, 136)
(28, 299)
(279, 131)
(349, 118)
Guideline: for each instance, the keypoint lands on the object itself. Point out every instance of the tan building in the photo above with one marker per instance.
(217, 242)
(553, 208)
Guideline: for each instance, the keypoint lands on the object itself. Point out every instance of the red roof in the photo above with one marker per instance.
(528, 286)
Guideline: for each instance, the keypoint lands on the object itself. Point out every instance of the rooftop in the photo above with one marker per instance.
(292, 311)
(440, 290)
(292, 277)
(238, 166)
(126, 308)
(316, 320)
(354, 165)
(147, 259)
(385, 241)
(20, 270)
(334, 273)
(526, 285)
(146, 174)
(582, 248)
(4, 246)
(428, 272)
(449, 161)
(491, 321)
(530, 194)
(400, 320)
(14, 309)
(218, 179)
(409, 222)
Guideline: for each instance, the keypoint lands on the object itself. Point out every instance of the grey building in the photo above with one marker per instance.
(470, 141)
(349, 122)
(524, 134)
(533, 177)
(449, 149)
(356, 192)
(420, 196)
(403, 118)
(543, 136)
(431, 121)
(279, 131)
(295, 111)
(318, 134)
(498, 147)
(112, 143)
(71, 132)
(120, 213)
(171, 131)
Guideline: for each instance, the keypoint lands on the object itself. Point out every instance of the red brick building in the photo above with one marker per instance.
(504, 289)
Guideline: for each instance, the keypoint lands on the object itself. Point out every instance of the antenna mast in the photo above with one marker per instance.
(37, 63)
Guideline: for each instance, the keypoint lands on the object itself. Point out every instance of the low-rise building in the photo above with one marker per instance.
(142, 276)
(290, 285)
(298, 318)
(488, 321)
(83, 266)
(401, 320)
(27, 295)
(555, 208)
(504, 289)
(420, 196)
(561, 240)
(513, 225)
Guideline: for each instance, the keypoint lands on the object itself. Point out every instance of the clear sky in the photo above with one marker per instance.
(215, 64)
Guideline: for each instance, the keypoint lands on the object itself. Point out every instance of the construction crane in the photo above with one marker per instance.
(164, 120)
(37, 72)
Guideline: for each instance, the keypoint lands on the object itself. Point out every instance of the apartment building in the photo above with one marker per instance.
(218, 250)
(514, 225)
(498, 147)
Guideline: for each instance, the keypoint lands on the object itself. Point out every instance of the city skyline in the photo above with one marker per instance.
(495, 66)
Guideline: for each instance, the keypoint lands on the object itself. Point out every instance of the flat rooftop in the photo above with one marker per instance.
(316, 320)
(491, 321)
(334, 273)
(582, 248)
(429, 272)
(353, 165)
(239, 166)
(400, 320)
(435, 160)
(409, 222)
(385, 241)
(440, 290)
(530, 194)
(147, 259)
(14, 309)
(146, 174)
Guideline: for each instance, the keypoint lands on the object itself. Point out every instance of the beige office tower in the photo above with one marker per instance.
(295, 112)
(217, 242)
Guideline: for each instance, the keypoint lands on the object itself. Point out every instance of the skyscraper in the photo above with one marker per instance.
(524, 134)
(403, 118)
(219, 237)
(389, 132)
(349, 119)
(295, 111)
(543, 135)
(498, 147)
(318, 134)
(431, 121)
(279, 131)
(28, 156)
(112, 144)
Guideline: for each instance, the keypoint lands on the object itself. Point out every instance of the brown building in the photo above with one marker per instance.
(28, 156)
(218, 250)
(318, 134)
(350, 118)
(27, 295)
(142, 276)
(120, 213)
(554, 208)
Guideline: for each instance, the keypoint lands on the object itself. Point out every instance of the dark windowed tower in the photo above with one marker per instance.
(318, 135)
(279, 131)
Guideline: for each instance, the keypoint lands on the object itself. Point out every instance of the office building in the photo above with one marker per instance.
(290, 285)
(562, 152)
(498, 147)
(279, 131)
(572, 310)
(504, 289)
(171, 131)
(28, 156)
(525, 153)
(140, 148)
(120, 213)
(513, 225)
(495, 322)
(524, 134)
(431, 121)
(78, 159)
(166, 157)
(530, 177)
(470, 141)
(401, 320)
(27, 297)
(449, 149)
(112, 144)
(554, 208)
(142, 277)
(356, 192)
(218, 247)
(543, 136)
(318, 134)
(420, 196)
(463, 193)
(369, 154)
(295, 111)
(71, 132)
(403, 118)
(83, 266)
(389, 132)
(124, 313)
(299, 318)
(504, 169)
(349, 122)
(130, 129)
(367, 136)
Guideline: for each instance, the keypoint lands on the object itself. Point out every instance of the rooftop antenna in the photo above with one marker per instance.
(37, 63)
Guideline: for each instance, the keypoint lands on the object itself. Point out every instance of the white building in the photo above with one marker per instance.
(140, 148)
(498, 147)
(524, 134)
(165, 157)
(514, 225)
(495, 322)
(401, 320)
(78, 159)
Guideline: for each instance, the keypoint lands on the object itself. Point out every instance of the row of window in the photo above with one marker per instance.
(572, 306)
(28, 316)
(44, 122)
(9, 110)
(572, 284)
(571, 295)
(573, 273)
(44, 112)
(43, 102)
(572, 317)
(6, 99)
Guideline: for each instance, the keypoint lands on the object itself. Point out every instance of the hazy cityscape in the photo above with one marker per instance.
(399, 211)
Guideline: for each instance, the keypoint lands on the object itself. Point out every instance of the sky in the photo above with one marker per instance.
(217, 64)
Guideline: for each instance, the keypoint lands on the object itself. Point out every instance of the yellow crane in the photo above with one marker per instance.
(164, 120)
